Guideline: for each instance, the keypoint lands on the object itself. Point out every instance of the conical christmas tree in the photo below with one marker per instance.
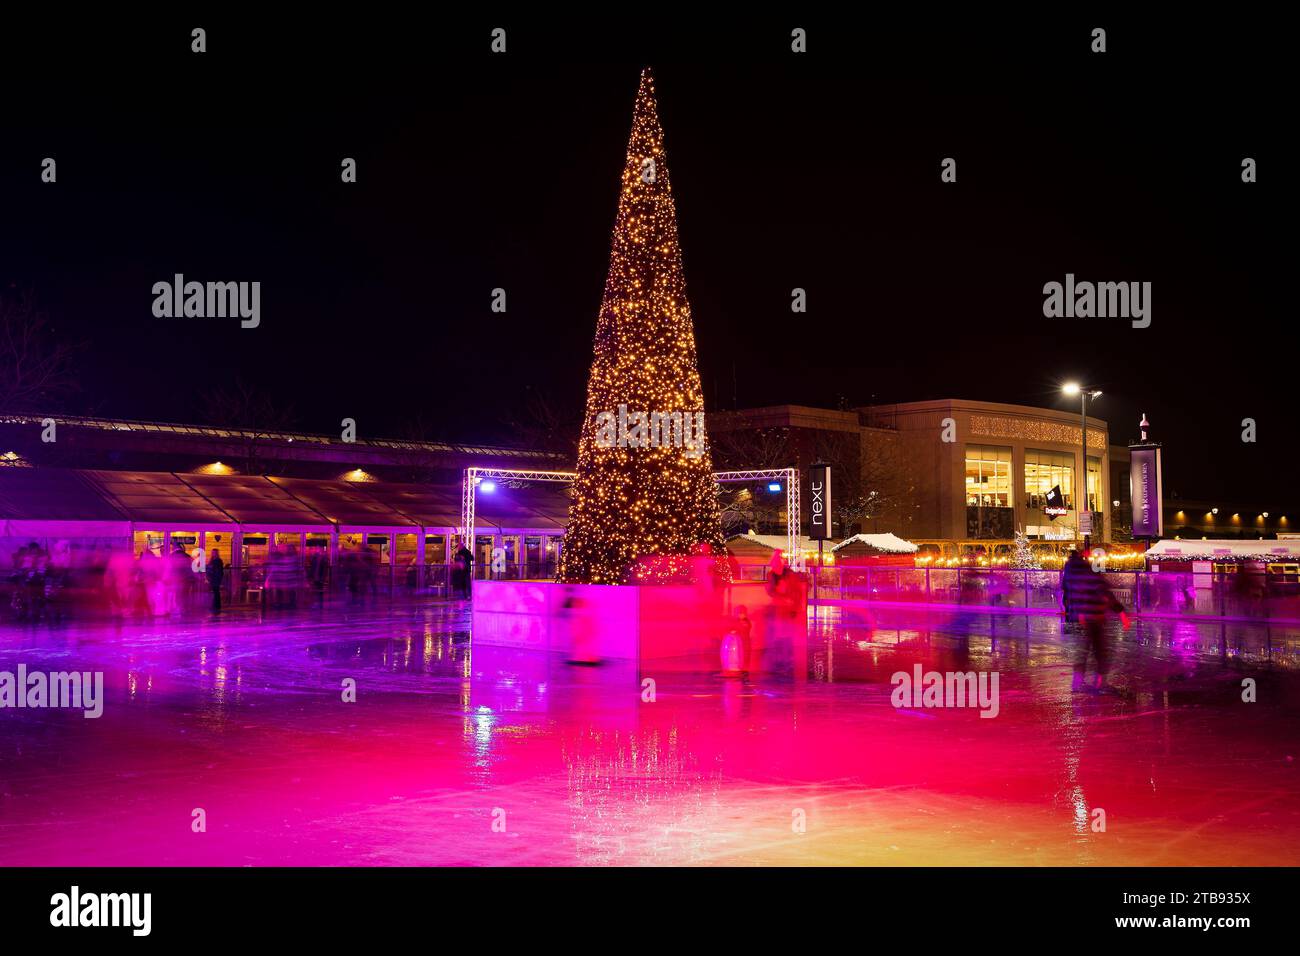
(644, 498)
(1022, 557)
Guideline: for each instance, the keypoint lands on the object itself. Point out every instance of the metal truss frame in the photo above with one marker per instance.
(469, 491)
(790, 476)
(472, 477)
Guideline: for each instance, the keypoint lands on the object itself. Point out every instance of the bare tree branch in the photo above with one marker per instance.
(547, 423)
(419, 465)
(869, 480)
(36, 372)
(246, 407)
(743, 449)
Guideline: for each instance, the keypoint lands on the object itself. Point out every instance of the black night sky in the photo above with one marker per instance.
(818, 171)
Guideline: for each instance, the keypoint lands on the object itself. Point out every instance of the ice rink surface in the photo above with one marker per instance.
(460, 754)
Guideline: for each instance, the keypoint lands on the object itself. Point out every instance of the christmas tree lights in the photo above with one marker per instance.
(644, 504)
(1023, 555)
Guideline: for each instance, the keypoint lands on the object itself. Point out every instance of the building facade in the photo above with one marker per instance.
(950, 470)
(105, 485)
(983, 470)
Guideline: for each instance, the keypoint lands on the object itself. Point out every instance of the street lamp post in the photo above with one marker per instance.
(1084, 392)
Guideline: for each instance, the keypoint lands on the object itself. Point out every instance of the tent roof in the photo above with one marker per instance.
(427, 505)
(1222, 548)
(52, 494)
(154, 496)
(773, 542)
(265, 503)
(886, 542)
(254, 500)
(345, 503)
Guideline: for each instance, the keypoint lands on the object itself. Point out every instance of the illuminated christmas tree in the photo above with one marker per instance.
(1023, 555)
(644, 498)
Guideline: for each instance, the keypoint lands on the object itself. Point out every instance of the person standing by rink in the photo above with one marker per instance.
(463, 571)
(178, 579)
(216, 570)
(319, 570)
(1089, 602)
(777, 570)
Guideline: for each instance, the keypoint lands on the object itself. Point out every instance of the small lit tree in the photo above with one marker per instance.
(1022, 558)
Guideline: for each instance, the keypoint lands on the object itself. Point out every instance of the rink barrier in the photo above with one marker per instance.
(1151, 594)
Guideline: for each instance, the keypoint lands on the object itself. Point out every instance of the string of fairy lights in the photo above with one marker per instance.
(641, 513)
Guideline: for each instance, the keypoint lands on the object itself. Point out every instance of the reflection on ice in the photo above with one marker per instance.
(245, 718)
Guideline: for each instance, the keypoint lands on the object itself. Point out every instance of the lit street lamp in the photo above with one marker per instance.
(1084, 392)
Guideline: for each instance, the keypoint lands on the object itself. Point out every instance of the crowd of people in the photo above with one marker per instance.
(37, 579)
(41, 585)
(156, 584)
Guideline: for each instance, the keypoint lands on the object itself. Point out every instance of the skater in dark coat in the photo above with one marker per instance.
(1088, 603)
(216, 572)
